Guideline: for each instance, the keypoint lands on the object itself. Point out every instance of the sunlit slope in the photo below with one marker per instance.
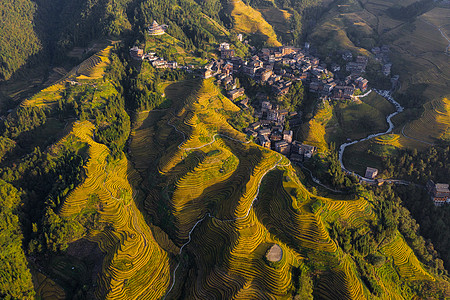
(279, 19)
(228, 201)
(250, 21)
(404, 259)
(314, 131)
(135, 266)
(92, 68)
(434, 122)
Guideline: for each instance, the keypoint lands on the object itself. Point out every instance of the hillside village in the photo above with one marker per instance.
(278, 69)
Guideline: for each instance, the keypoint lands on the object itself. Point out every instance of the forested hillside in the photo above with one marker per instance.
(18, 37)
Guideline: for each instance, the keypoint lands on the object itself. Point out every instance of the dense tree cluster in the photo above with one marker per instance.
(434, 221)
(25, 119)
(419, 167)
(15, 277)
(328, 169)
(18, 39)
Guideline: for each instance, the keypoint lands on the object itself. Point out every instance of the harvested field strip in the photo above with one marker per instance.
(354, 212)
(45, 97)
(94, 67)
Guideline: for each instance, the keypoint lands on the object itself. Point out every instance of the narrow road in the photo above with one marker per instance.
(398, 109)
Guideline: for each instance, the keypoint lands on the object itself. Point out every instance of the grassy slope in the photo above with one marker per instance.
(279, 19)
(88, 72)
(418, 134)
(341, 121)
(250, 21)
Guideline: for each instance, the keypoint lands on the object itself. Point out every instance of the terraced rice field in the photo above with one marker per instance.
(250, 21)
(230, 201)
(434, 122)
(45, 97)
(388, 139)
(91, 69)
(314, 131)
(94, 67)
(341, 283)
(405, 261)
(135, 266)
(279, 19)
(353, 212)
(46, 288)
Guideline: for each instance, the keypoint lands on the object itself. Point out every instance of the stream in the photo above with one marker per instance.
(398, 109)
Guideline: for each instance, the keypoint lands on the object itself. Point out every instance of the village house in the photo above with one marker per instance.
(156, 29)
(265, 75)
(226, 53)
(136, 53)
(272, 115)
(276, 136)
(265, 132)
(236, 93)
(386, 70)
(243, 103)
(361, 83)
(439, 192)
(283, 147)
(224, 46)
(227, 68)
(207, 73)
(287, 136)
(264, 141)
(371, 173)
(305, 151)
(255, 125)
(266, 106)
(252, 67)
(159, 63)
(347, 55)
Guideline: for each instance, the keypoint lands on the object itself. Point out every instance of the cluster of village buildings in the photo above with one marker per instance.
(279, 68)
(155, 61)
(270, 132)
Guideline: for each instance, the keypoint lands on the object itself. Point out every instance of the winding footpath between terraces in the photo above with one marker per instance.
(398, 109)
(277, 164)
